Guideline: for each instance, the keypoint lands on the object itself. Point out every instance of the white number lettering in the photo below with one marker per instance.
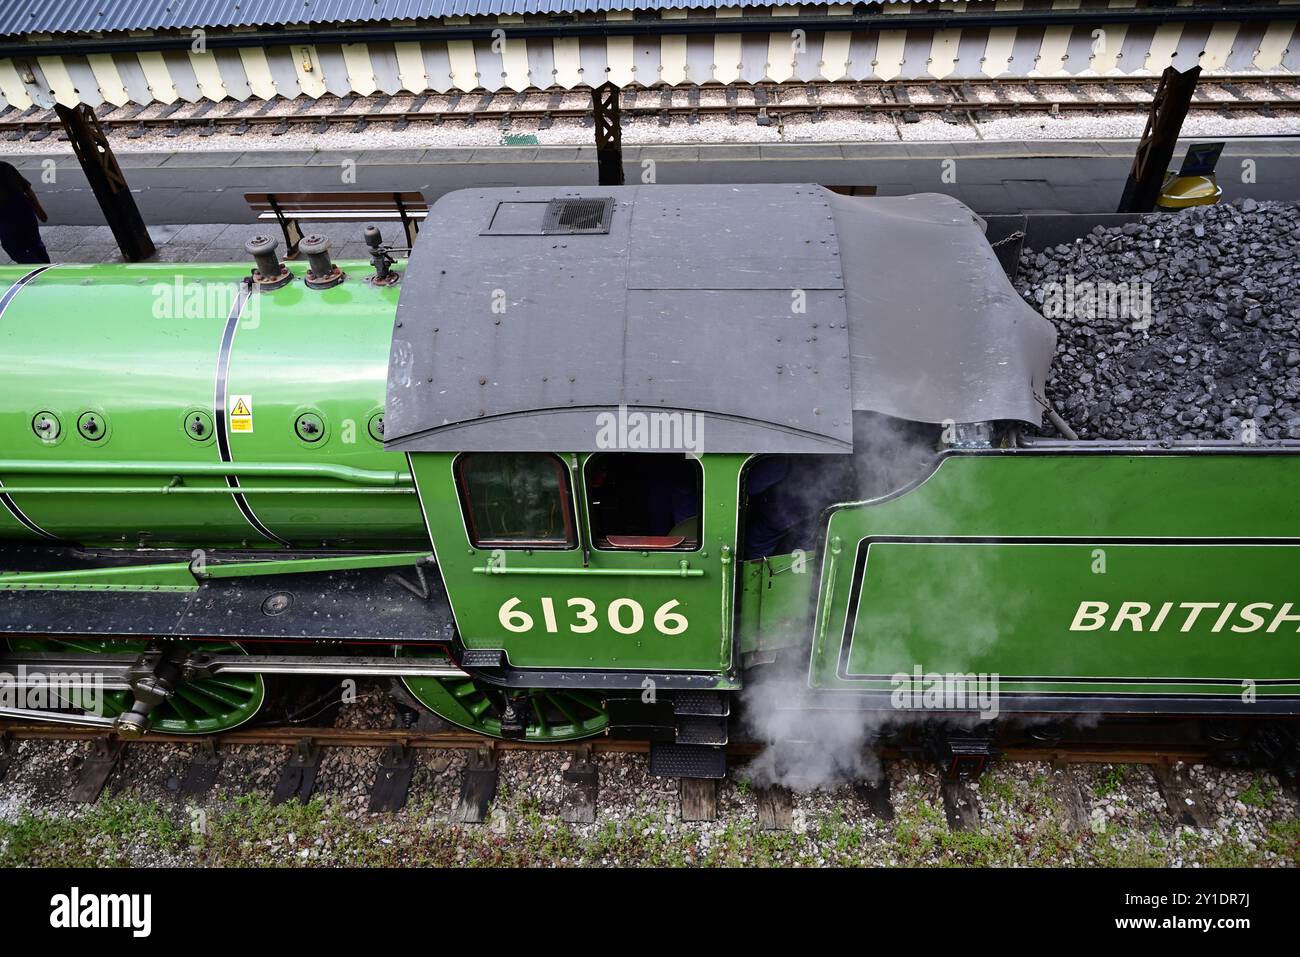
(616, 619)
(670, 622)
(548, 614)
(512, 619)
(625, 615)
(587, 615)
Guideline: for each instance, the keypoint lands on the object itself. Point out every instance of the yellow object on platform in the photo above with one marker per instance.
(1179, 192)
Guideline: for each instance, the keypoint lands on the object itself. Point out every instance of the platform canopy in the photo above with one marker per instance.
(66, 16)
(528, 317)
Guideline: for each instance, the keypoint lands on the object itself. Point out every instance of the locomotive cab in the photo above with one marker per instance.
(622, 560)
(626, 420)
(578, 378)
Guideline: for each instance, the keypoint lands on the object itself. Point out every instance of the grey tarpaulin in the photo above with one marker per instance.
(772, 311)
(936, 329)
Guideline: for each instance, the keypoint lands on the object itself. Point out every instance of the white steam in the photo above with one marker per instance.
(805, 749)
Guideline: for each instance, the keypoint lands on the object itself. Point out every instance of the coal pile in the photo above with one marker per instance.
(1183, 326)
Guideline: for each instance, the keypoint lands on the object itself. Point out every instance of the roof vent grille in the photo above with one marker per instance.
(578, 216)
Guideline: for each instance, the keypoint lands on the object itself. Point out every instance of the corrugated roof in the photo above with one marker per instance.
(82, 16)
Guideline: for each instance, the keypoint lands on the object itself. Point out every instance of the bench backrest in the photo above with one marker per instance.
(328, 203)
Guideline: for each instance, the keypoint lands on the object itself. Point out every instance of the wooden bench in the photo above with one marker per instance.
(290, 209)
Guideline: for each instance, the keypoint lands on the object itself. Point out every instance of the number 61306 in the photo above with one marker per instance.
(624, 615)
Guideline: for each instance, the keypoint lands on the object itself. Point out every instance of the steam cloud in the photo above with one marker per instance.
(805, 749)
(808, 749)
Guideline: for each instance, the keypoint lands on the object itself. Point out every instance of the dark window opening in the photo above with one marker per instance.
(515, 499)
(785, 496)
(641, 500)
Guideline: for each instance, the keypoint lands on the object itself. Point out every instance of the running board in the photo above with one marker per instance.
(328, 665)
(381, 605)
(114, 669)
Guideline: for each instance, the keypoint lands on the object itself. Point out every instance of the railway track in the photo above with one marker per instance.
(291, 735)
(699, 797)
(766, 104)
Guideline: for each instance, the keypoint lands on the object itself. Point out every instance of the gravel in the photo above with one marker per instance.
(646, 131)
(1023, 817)
(1216, 355)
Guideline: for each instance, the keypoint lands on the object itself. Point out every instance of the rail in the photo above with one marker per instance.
(768, 103)
(290, 735)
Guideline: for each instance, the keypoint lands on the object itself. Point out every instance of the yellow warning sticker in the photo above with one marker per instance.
(241, 413)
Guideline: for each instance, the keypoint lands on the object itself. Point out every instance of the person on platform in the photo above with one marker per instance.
(20, 210)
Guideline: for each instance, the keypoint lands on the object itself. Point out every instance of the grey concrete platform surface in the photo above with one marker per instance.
(196, 187)
(196, 242)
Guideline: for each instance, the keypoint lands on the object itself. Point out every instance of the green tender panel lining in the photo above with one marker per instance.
(987, 566)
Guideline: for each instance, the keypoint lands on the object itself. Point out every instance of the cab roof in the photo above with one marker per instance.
(772, 311)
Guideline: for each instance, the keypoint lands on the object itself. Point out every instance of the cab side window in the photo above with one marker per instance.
(645, 500)
(515, 499)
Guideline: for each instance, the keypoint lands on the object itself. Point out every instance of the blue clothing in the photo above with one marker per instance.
(20, 230)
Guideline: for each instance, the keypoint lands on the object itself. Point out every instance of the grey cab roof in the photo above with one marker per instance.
(771, 312)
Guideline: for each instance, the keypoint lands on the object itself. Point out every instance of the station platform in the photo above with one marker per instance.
(204, 190)
(194, 242)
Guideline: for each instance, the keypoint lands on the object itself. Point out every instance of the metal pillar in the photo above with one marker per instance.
(106, 179)
(609, 134)
(1156, 150)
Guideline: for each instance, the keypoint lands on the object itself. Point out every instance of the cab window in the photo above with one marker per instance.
(641, 500)
(515, 499)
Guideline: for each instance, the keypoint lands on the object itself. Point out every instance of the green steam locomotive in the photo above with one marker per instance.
(596, 461)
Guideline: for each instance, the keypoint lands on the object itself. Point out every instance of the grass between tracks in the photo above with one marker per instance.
(249, 831)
